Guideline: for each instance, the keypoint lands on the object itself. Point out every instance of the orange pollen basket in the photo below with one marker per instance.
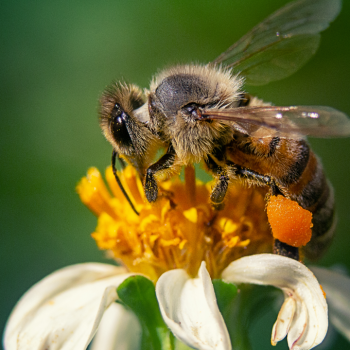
(290, 223)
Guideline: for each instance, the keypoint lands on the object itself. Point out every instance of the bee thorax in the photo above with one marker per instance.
(194, 141)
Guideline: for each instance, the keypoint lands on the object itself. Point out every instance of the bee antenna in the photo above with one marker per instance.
(114, 156)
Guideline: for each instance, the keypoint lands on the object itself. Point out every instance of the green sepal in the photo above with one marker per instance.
(229, 304)
(225, 295)
(137, 293)
(241, 308)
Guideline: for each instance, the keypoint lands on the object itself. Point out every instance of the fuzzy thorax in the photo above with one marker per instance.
(175, 91)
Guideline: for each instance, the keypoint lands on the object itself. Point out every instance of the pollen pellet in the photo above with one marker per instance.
(290, 223)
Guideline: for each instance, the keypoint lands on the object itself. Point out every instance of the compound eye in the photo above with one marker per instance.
(119, 128)
(116, 111)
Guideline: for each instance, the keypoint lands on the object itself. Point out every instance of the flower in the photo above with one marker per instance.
(303, 315)
(181, 230)
(181, 244)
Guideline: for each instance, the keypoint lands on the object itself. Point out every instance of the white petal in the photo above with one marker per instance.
(300, 327)
(337, 289)
(63, 310)
(310, 321)
(190, 310)
(119, 329)
(284, 320)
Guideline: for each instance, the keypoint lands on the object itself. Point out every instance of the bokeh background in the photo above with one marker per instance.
(56, 59)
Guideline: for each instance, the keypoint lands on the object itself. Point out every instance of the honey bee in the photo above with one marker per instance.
(201, 113)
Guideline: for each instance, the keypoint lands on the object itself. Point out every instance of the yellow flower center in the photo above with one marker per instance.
(181, 229)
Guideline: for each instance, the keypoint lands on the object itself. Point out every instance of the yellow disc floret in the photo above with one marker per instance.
(181, 229)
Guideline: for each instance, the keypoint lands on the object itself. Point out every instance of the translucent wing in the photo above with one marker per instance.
(289, 122)
(282, 43)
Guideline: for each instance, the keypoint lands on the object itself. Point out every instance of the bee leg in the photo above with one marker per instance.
(254, 176)
(275, 191)
(114, 156)
(284, 249)
(165, 162)
(219, 191)
(279, 247)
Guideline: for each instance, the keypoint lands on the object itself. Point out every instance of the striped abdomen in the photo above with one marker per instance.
(298, 174)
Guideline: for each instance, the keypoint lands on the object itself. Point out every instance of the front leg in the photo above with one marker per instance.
(219, 191)
(165, 162)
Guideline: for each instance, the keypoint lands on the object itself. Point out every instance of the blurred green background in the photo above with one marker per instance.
(56, 59)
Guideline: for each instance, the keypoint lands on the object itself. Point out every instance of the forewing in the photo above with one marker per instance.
(289, 122)
(282, 43)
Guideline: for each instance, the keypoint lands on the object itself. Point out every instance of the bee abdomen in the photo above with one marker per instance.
(299, 175)
(314, 193)
(324, 224)
(302, 161)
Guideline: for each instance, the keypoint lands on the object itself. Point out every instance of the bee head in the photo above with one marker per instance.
(121, 126)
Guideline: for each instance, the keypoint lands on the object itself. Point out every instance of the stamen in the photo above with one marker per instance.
(190, 183)
(94, 194)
